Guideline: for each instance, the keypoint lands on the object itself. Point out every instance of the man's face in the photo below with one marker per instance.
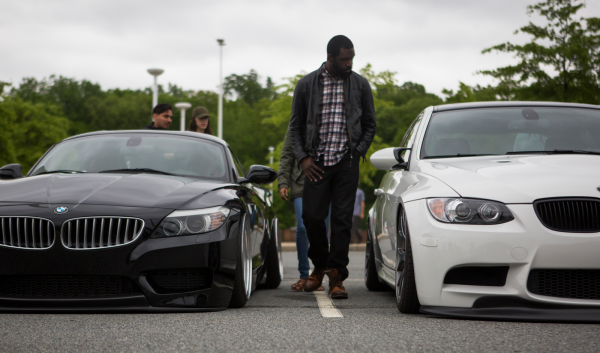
(342, 64)
(163, 120)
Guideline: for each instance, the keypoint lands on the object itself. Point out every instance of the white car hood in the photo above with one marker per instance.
(518, 178)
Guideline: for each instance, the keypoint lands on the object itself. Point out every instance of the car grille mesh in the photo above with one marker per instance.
(178, 280)
(570, 215)
(575, 284)
(26, 232)
(66, 286)
(100, 232)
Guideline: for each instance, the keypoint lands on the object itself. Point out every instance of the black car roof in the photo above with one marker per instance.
(162, 132)
(457, 106)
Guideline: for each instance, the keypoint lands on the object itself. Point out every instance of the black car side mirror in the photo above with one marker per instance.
(259, 174)
(402, 164)
(11, 171)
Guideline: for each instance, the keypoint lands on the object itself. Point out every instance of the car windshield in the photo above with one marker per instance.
(510, 130)
(137, 153)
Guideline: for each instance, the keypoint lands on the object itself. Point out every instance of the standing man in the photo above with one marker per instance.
(359, 213)
(331, 128)
(162, 117)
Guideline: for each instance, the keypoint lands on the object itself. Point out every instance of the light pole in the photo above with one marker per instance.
(271, 150)
(183, 106)
(155, 73)
(220, 116)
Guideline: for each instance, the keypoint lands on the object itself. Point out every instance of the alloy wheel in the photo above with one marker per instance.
(247, 266)
(400, 257)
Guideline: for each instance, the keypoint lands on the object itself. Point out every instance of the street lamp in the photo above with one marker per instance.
(155, 73)
(220, 114)
(183, 106)
(271, 150)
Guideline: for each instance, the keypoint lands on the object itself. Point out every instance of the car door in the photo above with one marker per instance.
(395, 184)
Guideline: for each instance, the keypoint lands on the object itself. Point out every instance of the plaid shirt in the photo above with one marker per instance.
(333, 130)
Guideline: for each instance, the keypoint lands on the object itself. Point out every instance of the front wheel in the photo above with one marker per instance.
(242, 285)
(406, 287)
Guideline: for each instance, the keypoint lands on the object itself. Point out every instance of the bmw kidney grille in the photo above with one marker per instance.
(26, 232)
(100, 232)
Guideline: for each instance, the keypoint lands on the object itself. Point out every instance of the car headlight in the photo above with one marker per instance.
(469, 211)
(192, 222)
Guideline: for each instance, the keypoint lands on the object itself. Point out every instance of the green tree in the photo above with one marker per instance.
(248, 87)
(467, 93)
(561, 63)
(31, 129)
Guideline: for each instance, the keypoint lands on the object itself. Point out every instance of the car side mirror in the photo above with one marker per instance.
(389, 158)
(259, 174)
(11, 171)
(402, 164)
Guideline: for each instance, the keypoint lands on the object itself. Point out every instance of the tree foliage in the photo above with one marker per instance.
(562, 61)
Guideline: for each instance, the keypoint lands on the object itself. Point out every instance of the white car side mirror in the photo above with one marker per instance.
(384, 159)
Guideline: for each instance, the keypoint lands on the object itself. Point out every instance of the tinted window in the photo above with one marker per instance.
(496, 131)
(238, 166)
(178, 155)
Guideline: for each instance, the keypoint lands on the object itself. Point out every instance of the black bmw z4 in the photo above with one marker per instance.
(136, 221)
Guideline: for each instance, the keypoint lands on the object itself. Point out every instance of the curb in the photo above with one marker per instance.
(291, 246)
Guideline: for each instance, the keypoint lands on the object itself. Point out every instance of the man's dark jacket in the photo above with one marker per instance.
(152, 127)
(360, 114)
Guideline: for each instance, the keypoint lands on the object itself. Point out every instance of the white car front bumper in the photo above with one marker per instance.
(522, 244)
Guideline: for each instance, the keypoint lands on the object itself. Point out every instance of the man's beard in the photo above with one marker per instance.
(339, 72)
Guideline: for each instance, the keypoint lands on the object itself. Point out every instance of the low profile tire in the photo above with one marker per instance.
(406, 287)
(371, 278)
(274, 260)
(242, 285)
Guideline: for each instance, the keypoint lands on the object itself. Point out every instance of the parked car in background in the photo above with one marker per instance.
(136, 220)
(491, 210)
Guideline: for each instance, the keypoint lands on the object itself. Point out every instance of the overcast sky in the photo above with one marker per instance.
(433, 42)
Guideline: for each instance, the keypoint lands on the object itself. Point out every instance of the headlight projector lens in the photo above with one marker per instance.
(197, 224)
(172, 227)
(489, 212)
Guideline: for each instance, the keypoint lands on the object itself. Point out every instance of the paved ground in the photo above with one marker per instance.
(280, 320)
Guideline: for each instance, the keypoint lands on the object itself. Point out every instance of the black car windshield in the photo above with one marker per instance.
(511, 130)
(137, 153)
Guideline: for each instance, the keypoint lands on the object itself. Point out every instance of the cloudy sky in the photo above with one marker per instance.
(433, 42)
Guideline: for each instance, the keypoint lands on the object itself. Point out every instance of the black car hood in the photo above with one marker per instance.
(135, 190)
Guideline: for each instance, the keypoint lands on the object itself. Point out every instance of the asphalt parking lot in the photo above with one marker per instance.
(281, 320)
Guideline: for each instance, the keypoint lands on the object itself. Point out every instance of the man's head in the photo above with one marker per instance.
(340, 53)
(162, 116)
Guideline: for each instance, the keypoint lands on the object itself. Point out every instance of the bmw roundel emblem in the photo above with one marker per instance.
(61, 210)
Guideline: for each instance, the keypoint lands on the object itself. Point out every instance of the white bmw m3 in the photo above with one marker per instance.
(491, 210)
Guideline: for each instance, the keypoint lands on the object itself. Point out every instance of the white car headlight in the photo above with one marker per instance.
(469, 211)
(192, 222)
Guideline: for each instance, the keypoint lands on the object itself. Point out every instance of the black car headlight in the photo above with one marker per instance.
(469, 211)
(191, 222)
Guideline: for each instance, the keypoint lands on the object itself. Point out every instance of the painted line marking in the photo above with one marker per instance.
(326, 305)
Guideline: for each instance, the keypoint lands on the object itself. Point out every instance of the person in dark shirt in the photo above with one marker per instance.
(162, 117)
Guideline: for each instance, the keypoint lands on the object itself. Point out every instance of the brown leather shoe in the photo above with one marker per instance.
(315, 279)
(336, 285)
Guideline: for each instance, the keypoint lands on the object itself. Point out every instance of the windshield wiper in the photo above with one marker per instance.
(137, 170)
(61, 171)
(555, 152)
(458, 155)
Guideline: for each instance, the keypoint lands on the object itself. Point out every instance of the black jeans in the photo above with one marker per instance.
(338, 187)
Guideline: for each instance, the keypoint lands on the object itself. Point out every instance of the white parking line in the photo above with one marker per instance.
(326, 305)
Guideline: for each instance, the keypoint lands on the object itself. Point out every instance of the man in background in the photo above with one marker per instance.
(359, 213)
(162, 117)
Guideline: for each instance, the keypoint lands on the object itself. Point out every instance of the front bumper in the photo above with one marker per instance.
(522, 244)
(212, 254)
